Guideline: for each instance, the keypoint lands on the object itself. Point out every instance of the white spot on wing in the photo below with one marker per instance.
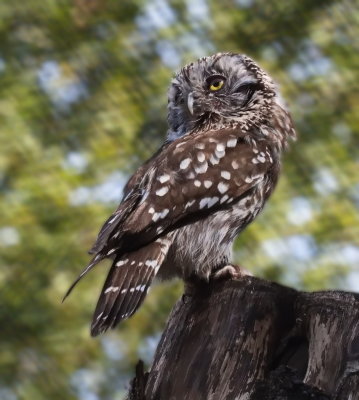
(213, 159)
(208, 201)
(164, 212)
(185, 163)
(200, 146)
(224, 198)
(220, 154)
(261, 158)
(201, 157)
(139, 288)
(151, 263)
(162, 191)
(113, 289)
(207, 184)
(164, 178)
(160, 215)
(203, 202)
(112, 219)
(222, 187)
(197, 183)
(220, 147)
(201, 169)
(226, 175)
(122, 262)
(189, 204)
(232, 142)
(212, 201)
(235, 164)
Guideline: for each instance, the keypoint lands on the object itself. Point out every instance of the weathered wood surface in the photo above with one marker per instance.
(252, 339)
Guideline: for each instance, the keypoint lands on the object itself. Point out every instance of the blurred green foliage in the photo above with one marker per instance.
(83, 102)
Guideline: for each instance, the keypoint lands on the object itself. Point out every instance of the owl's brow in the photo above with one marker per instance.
(216, 69)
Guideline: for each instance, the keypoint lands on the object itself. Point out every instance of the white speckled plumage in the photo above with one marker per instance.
(183, 208)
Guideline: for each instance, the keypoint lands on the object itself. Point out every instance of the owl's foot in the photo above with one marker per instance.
(230, 271)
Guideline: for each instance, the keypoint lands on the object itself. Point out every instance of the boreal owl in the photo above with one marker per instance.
(183, 208)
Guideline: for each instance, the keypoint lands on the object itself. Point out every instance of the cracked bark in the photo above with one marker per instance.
(251, 339)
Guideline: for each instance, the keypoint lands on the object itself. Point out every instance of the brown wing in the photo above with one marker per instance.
(132, 194)
(188, 179)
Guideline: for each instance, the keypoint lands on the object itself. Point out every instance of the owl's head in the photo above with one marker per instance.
(220, 90)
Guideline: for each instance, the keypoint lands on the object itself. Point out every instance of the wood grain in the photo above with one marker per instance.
(251, 339)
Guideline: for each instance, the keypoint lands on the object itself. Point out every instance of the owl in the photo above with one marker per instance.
(183, 208)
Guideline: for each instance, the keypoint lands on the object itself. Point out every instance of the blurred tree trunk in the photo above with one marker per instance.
(252, 339)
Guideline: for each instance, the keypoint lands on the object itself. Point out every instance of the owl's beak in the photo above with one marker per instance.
(190, 103)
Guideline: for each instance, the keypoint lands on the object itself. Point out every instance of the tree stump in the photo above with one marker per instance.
(251, 339)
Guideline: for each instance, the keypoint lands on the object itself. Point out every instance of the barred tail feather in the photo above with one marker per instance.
(127, 284)
(137, 299)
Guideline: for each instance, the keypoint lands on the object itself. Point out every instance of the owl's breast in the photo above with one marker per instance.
(203, 246)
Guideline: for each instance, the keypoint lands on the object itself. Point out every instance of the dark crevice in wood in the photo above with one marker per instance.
(285, 384)
(294, 354)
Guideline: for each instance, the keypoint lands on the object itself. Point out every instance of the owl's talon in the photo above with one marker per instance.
(231, 271)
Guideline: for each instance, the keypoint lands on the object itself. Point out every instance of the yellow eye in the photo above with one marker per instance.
(216, 85)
